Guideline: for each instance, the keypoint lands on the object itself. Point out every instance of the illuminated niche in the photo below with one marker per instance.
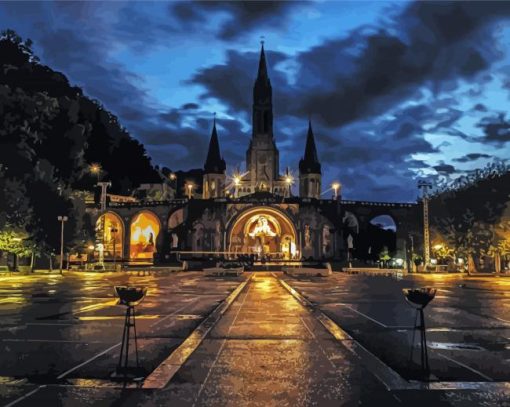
(144, 232)
(110, 233)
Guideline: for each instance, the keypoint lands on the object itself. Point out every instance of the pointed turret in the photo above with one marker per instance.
(214, 174)
(310, 164)
(214, 163)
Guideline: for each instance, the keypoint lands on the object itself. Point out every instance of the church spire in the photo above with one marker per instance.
(262, 74)
(310, 164)
(214, 163)
(262, 99)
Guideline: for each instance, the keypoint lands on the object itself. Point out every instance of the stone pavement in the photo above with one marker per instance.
(268, 350)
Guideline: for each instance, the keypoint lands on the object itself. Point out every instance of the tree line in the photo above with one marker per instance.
(51, 135)
(470, 218)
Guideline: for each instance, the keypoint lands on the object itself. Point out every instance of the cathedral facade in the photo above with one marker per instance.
(254, 213)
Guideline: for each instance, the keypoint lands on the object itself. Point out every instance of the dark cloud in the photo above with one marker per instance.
(479, 107)
(243, 16)
(445, 169)
(232, 82)
(430, 43)
(496, 129)
(190, 106)
(471, 157)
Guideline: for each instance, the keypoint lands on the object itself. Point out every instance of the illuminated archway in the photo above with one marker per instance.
(264, 232)
(110, 232)
(145, 228)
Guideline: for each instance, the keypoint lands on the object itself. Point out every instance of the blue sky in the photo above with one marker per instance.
(396, 90)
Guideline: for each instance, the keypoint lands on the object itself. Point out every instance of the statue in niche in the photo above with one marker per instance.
(217, 236)
(198, 237)
(308, 237)
(325, 240)
(175, 240)
(207, 214)
(262, 228)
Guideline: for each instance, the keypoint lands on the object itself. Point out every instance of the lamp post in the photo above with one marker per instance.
(336, 189)
(113, 232)
(173, 181)
(237, 182)
(288, 181)
(189, 189)
(424, 185)
(62, 220)
(104, 186)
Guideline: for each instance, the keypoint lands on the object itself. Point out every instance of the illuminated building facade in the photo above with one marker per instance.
(255, 212)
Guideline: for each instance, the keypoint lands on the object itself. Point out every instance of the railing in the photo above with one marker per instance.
(386, 204)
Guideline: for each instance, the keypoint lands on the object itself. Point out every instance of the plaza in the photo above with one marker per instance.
(263, 338)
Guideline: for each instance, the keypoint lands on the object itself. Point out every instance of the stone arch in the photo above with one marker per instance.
(263, 231)
(176, 218)
(379, 238)
(350, 222)
(145, 228)
(110, 232)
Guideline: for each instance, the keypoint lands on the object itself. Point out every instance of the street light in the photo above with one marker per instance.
(95, 169)
(62, 220)
(289, 181)
(237, 182)
(173, 183)
(336, 188)
(189, 189)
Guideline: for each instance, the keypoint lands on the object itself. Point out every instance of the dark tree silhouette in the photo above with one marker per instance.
(50, 134)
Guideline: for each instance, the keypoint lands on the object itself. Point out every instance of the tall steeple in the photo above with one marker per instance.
(262, 156)
(310, 164)
(262, 99)
(214, 163)
(310, 178)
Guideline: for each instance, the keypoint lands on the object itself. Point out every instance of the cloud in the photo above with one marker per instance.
(445, 169)
(429, 44)
(242, 16)
(496, 129)
(471, 157)
(375, 94)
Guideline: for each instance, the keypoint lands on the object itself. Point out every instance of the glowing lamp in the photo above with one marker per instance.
(95, 168)
(336, 187)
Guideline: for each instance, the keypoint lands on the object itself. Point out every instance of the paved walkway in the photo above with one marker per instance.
(268, 350)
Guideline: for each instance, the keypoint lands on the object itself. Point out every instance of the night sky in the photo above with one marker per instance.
(396, 90)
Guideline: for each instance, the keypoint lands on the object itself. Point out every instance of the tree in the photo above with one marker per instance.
(50, 133)
(467, 213)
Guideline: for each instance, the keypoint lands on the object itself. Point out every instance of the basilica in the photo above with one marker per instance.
(254, 213)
